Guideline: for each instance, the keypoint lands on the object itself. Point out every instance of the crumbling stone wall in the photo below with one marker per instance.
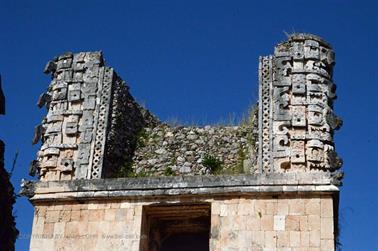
(165, 150)
(95, 129)
(289, 200)
(126, 120)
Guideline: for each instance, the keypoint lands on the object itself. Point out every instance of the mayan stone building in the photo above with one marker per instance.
(114, 177)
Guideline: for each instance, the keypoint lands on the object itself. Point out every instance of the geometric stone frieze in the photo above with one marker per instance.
(91, 115)
(296, 119)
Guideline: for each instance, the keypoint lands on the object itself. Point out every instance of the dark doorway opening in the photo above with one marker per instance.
(184, 227)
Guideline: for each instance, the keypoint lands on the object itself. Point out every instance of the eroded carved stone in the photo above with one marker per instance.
(93, 126)
(298, 129)
(84, 131)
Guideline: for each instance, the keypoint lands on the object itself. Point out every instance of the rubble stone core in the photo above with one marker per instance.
(114, 177)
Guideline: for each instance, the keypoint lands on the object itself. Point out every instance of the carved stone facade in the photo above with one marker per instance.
(267, 184)
(94, 126)
(296, 118)
(87, 132)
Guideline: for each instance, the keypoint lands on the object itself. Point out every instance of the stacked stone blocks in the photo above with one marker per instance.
(239, 223)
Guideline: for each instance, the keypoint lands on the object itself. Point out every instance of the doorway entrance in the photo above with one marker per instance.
(172, 227)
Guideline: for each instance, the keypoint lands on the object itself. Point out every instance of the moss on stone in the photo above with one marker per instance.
(169, 172)
(126, 171)
(142, 137)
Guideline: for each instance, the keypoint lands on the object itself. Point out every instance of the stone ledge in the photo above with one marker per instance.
(183, 185)
(213, 192)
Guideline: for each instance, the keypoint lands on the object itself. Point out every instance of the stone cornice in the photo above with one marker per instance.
(212, 186)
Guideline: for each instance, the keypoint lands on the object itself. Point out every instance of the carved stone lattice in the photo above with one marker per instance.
(265, 78)
(296, 121)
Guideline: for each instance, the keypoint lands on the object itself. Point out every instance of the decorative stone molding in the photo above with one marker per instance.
(296, 118)
(274, 175)
(94, 128)
(84, 135)
(274, 183)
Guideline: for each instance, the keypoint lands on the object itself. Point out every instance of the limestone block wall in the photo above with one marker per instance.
(283, 223)
(92, 225)
(252, 223)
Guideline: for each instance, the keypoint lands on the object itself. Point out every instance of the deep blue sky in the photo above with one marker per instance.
(196, 62)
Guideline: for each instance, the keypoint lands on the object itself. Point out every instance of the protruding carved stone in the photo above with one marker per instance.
(299, 86)
(84, 134)
(92, 115)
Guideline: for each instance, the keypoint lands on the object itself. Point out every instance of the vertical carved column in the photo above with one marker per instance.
(297, 109)
(68, 130)
(92, 79)
(265, 106)
(92, 121)
(74, 130)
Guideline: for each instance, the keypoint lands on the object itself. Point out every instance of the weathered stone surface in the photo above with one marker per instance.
(187, 150)
(188, 185)
(95, 131)
(295, 107)
(98, 225)
(91, 110)
(89, 107)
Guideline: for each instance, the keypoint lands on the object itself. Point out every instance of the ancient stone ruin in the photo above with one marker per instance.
(108, 167)
(295, 107)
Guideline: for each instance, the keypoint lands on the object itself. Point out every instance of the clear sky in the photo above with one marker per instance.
(196, 62)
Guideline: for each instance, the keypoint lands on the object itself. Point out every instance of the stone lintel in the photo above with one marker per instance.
(213, 186)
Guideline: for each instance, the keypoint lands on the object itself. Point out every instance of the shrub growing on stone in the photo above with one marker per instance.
(212, 163)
